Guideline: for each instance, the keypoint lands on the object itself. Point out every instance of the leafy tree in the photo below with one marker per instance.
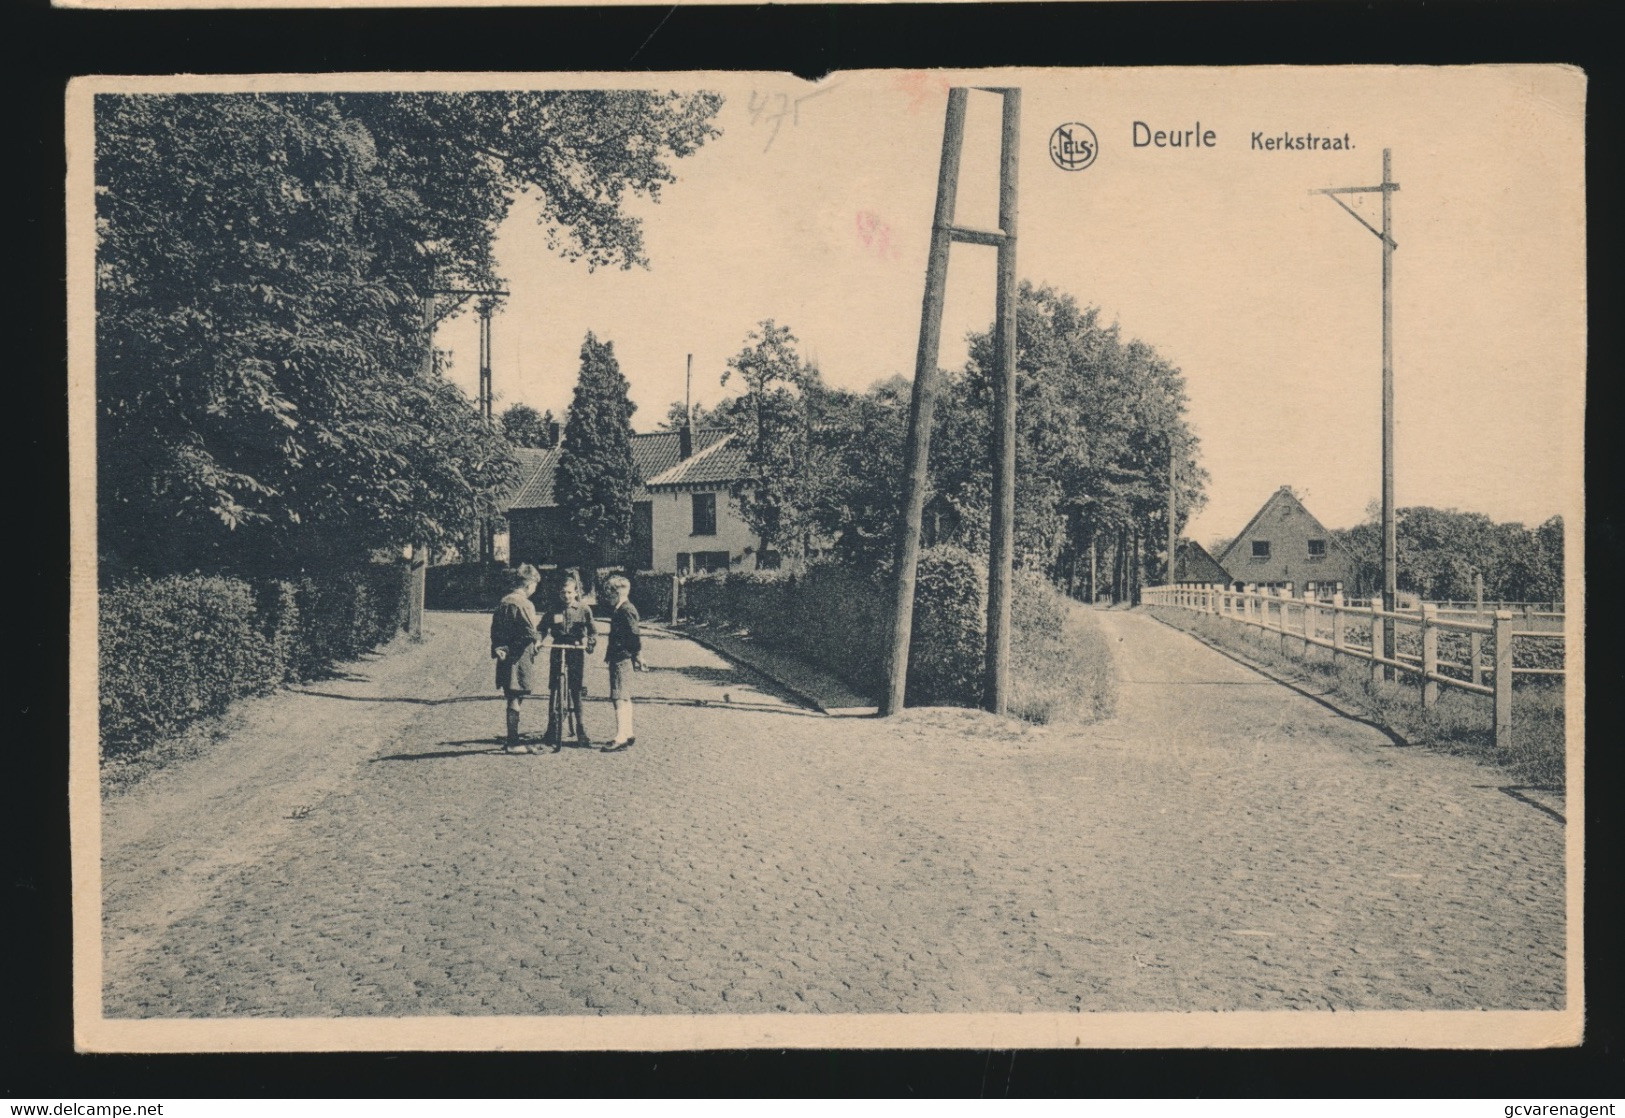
(860, 439)
(1097, 419)
(1548, 586)
(773, 419)
(678, 414)
(1440, 550)
(261, 267)
(523, 425)
(596, 475)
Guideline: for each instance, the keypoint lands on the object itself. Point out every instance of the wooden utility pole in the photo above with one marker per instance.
(1173, 540)
(1390, 532)
(484, 526)
(917, 447)
(917, 450)
(1001, 550)
(486, 306)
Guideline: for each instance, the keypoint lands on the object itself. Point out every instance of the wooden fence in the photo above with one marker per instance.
(1306, 623)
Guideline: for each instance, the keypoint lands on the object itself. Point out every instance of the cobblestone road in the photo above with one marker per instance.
(362, 847)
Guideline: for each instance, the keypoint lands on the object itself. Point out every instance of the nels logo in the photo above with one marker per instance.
(1073, 146)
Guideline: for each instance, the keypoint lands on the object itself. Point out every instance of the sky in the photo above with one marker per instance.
(813, 208)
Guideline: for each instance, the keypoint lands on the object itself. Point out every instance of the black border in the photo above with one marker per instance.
(809, 40)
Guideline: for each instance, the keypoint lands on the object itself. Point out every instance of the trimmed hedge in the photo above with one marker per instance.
(840, 620)
(465, 586)
(176, 649)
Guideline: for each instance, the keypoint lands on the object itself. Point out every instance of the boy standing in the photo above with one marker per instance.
(625, 655)
(514, 641)
(571, 632)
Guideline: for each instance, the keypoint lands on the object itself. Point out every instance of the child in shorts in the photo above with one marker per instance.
(625, 655)
(571, 634)
(514, 641)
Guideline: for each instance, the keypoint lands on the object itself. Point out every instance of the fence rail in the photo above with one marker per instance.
(1310, 623)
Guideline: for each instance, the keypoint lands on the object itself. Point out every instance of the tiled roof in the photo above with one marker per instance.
(536, 470)
(656, 452)
(717, 464)
(652, 454)
(1196, 565)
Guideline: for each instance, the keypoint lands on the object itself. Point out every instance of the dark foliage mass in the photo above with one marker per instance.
(1440, 551)
(262, 266)
(1097, 420)
(836, 617)
(522, 425)
(596, 475)
(179, 648)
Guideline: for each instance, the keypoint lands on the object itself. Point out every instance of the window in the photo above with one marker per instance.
(1261, 549)
(1317, 549)
(710, 560)
(683, 562)
(705, 514)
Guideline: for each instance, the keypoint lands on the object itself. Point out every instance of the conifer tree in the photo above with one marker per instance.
(596, 475)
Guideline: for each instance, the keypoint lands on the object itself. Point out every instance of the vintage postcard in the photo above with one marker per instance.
(990, 559)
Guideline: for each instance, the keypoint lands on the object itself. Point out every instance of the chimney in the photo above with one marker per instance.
(685, 441)
(552, 434)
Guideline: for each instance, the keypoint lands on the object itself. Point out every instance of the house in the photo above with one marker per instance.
(1285, 547)
(1193, 566)
(685, 515)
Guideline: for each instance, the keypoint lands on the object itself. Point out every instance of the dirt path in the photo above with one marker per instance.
(1224, 843)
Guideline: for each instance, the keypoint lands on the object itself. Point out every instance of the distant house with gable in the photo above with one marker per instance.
(1193, 566)
(1284, 547)
(685, 515)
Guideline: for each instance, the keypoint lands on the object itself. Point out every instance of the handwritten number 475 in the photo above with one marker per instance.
(772, 109)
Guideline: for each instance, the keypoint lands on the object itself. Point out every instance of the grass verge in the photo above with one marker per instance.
(1060, 661)
(1459, 722)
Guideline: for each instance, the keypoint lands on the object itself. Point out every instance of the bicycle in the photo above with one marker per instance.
(563, 708)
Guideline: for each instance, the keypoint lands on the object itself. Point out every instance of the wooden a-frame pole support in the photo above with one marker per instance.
(917, 448)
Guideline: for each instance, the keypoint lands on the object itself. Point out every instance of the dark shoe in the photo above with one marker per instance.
(618, 746)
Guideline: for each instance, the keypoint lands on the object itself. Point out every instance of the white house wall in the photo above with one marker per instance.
(673, 531)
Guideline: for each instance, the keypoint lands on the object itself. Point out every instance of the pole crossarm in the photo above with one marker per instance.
(1333, 192)
(460, 294)
(990, 237)
(1356, 189)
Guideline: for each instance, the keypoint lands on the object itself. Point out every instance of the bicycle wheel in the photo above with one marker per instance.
(561, 698)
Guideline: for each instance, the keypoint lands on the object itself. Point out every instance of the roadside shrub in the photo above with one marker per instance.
(651, 594)
(948, 642)
(177, 649)
(839, 619)
(467, 586)
(278, 608)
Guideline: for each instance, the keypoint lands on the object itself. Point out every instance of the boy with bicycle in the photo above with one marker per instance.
(571, 635)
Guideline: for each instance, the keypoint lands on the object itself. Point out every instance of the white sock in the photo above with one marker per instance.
(623, 720)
